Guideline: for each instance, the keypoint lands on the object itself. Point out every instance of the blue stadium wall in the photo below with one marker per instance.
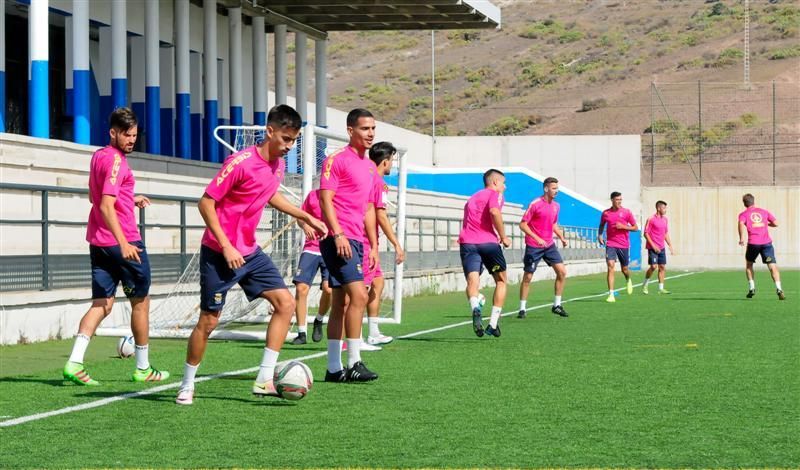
(521, 187)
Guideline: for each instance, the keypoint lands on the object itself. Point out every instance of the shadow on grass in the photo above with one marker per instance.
(443, 340)
(28, 379)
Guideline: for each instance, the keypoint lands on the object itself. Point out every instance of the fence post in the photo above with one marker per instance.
(774, 132)
(652, 135)
(183, 237)
(700, 129)
(45, 242)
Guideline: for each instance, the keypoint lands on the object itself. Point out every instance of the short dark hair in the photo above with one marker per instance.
(615, 194)
(660, 203)
(487, 177)
(354, 115)
(381, 151)
(748, 200)
(283, 115)
(548, 180)
(123, 118)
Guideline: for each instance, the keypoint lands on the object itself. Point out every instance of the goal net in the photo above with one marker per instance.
(176, 314)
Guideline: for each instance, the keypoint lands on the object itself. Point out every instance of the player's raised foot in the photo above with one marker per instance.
(751, 293)
(149, 375)
(493, 331)
(360, 373)
(380, 339)
(267, 389)
(300, 339)
(780, 295)
(339, 376)
(365, 346)
(645, 290)
(477, 322)
(559, 310)
(185, 396)
(664, 291)
(629, 287)
(611, 298)
(522, 314)
(316, 335)
(74, 372)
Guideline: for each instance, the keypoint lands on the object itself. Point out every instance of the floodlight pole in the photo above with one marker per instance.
(433, 98)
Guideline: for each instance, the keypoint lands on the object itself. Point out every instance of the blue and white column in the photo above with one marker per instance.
(152, 91)
(81, 75)
(320, 81)
(138, 84)
(38, 85)
(167, 90)
(119, 54)
(280, 64)
(300, 98)
(183, 132)
(260, 77)
(68, 98)
(2, 66)
(235, 63)
(210, 146)
(196, 104)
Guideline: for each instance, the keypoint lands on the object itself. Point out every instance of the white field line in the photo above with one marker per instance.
(161, 388)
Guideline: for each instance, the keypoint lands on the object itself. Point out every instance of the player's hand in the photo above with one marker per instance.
(600, 240)
(343, 247)
(130, 252)
(563, 243)
(311, 234)
(539, 241)
(506, 242)
(399, 254)
(233, 257)
(657, 249)
(318, 226)
(620, 226)
(141, 201)
(373, 259)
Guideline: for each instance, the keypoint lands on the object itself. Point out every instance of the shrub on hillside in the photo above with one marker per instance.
(591, 105)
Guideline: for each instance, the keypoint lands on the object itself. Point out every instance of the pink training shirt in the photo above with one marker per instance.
(351, 177)
(656, 227)
(477, 226)
(757, 222)
(311, 206)
(110, 174)
(617, 238)
(541, 217)
(242, 188)
(378, 198)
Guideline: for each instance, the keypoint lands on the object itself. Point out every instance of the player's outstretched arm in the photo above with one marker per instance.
(388, 230)
(742, 229)
(560, 234)
(282, 204)
(527, 231)
(669, 243)
(207, 207)
(600, 231)
(497, 221)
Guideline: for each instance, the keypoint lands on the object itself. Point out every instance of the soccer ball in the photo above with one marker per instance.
(126, 347)
(481, 300)
(293, 380)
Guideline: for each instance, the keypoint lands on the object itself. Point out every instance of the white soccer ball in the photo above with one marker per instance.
(126, 347)
(293, 380)
(481, 300)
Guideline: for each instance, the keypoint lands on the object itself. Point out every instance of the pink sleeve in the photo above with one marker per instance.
(631, 218)
(528, 215)
(770, 217)
(224, 181)
(330, 176)
(377, 197)
(742, 218)
(495, 201)
(108, 171)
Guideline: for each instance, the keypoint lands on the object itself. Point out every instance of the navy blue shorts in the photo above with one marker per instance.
(656, 258)
(109, 269)
(342, 271)
(621, 254)
(534, 254)
(475, 256)
(258, 275)
(307, 269)
(767, 253)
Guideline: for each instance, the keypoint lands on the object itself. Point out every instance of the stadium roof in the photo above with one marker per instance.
(318, 17)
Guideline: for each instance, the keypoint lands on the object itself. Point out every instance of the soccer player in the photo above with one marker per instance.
(381, 155)
(480, 230)
(756, 222)
(116, 251)
(310, 262)
(540, 223)
(348, 178)
(231, 208)
(656, 232)
(619, 223)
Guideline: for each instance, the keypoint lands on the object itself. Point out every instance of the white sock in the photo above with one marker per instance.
(495, 316)
(267, 368)
(660, 286)
(778, 285)
(557, 301)
(353, 351)
(374, 331)
(335, 355)
(752, 283)
(523, 304)
(189, 371)
(319, 317)
(611, 292)
(473, 302)
(646, 281)
(302, 329)
(142, 356)
(79, 348)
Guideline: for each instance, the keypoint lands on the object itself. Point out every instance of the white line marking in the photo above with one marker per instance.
(161, 388)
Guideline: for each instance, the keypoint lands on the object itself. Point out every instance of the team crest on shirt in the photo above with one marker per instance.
(755, 217)
(229, 168)
(115, 168)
